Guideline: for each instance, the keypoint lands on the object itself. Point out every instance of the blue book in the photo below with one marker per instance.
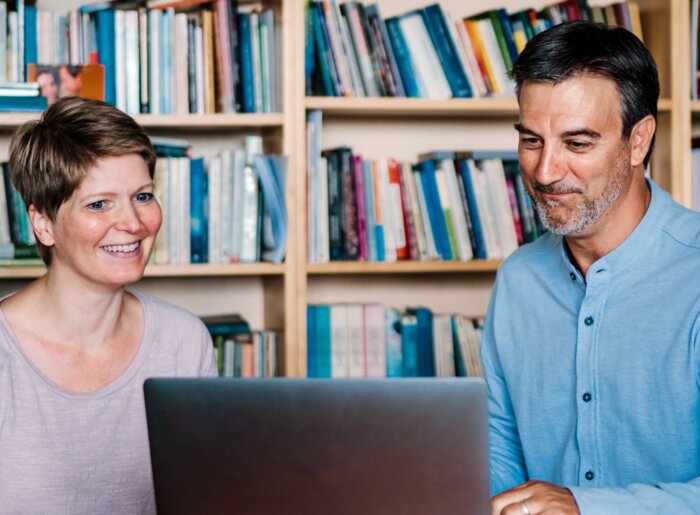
(246, 60)
(199, 229)
(166, 63)
(106, 52)
(504, 18)
(21, 104)
(272, 172)
(369, 208)
(460, 358)
(323, 341)
(409, 345)
(464, 168)
(329, 55)
(322, 56)
(394, 354)
(436, 23)
(426, 171)
(309, 51)
(424, 330)
(403, 58)
(311, 348)
(226, 325)
(30, 36)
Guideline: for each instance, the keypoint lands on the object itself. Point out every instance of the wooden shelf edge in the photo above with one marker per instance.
(403, 267)
(174, 121)
(349, 106)
(181, 271)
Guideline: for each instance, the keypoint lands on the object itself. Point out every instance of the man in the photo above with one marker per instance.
(591, 342)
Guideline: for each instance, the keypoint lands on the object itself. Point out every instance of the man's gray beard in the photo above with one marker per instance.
(589, 212)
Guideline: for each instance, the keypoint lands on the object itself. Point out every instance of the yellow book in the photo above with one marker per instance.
(480, 51)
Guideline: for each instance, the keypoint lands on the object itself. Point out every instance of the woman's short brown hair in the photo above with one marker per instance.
(49, 157)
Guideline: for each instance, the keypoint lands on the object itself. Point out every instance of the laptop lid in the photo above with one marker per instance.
(298, 446)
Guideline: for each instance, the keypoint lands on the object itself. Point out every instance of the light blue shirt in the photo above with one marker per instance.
(595, 384)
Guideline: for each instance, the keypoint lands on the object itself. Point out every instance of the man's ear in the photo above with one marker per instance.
(640, 139)
(42, 225)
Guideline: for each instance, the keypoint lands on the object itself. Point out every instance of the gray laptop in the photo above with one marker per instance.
(300, 446)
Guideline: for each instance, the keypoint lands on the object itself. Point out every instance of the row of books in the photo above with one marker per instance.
(447, 206)
(370, 340)
(351, 50)
(241, 352)
(213, 59)
(234, 211)
(694, 48)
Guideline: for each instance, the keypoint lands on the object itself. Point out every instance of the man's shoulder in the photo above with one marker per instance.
(538, 253)
(682, 225)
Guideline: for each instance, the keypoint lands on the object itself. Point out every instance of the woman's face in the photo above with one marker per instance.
(48, 87)
(105, 231)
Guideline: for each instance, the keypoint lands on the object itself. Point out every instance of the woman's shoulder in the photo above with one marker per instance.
(166, 315)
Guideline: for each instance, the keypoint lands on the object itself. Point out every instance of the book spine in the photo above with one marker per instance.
(403, 58)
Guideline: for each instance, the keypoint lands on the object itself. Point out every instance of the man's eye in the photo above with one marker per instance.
(579, 145)
(529, 142)
(144, 197)
(97, 205)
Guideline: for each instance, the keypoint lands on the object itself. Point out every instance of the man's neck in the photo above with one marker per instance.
(611, 230)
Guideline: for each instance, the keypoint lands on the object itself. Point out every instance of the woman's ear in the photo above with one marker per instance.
(42, 225)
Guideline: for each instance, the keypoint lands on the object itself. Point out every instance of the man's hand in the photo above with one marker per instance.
(535, 498)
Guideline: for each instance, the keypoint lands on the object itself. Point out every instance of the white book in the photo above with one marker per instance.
(228, 359)
(323, 237)
(384, 209)
(74, 53)
(486, 209)
(459, 48)
(131, 69)
(339, 341)
(251, 197)
(459, 218)
(199, 67)
(120, 59)
(14, 41)
(358, 88)
(423, 55)
(44, 37)
(364, 60)
(3, 42)
(180, 65)
(496, 177)
(58, 30)
(431, 247)
(467, 51)
(88, 40)
(215, 179)
(355, 342)
(154, 82)
(493, 54)
(162, 193)
(238, 163)
(228, 201)
(337, 47)
(374, 340)
(186, 220)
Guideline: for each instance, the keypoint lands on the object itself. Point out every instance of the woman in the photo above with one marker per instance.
(75, 345)
(48, 84)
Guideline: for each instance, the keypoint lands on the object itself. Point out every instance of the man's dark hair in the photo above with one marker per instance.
(585, 48)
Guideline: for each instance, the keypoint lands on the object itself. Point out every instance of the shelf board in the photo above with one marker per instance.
(403, 267)
(182, 271)
(175, 121)
(459, 107)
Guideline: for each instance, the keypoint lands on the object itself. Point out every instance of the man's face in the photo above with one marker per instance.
(574, 161)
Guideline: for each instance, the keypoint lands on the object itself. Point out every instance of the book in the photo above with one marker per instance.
(227, 324)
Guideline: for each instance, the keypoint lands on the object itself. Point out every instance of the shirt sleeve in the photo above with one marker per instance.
(507, 464)
(640, 499)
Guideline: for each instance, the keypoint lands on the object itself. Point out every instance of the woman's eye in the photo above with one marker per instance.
(144, 197)
(97, 205)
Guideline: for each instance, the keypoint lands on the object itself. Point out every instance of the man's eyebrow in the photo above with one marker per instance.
(566, 134)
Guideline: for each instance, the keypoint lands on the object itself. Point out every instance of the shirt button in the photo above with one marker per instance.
(588, 321)
(587, 397)
(589, 475)
(573, 276)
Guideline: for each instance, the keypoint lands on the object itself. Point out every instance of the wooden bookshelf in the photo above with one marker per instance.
(380, 127)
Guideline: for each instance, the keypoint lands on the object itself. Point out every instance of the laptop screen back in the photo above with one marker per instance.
(291, 446)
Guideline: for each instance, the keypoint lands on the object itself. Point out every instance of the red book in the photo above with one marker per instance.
(398, 210)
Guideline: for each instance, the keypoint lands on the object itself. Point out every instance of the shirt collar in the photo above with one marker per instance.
(634, 246)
